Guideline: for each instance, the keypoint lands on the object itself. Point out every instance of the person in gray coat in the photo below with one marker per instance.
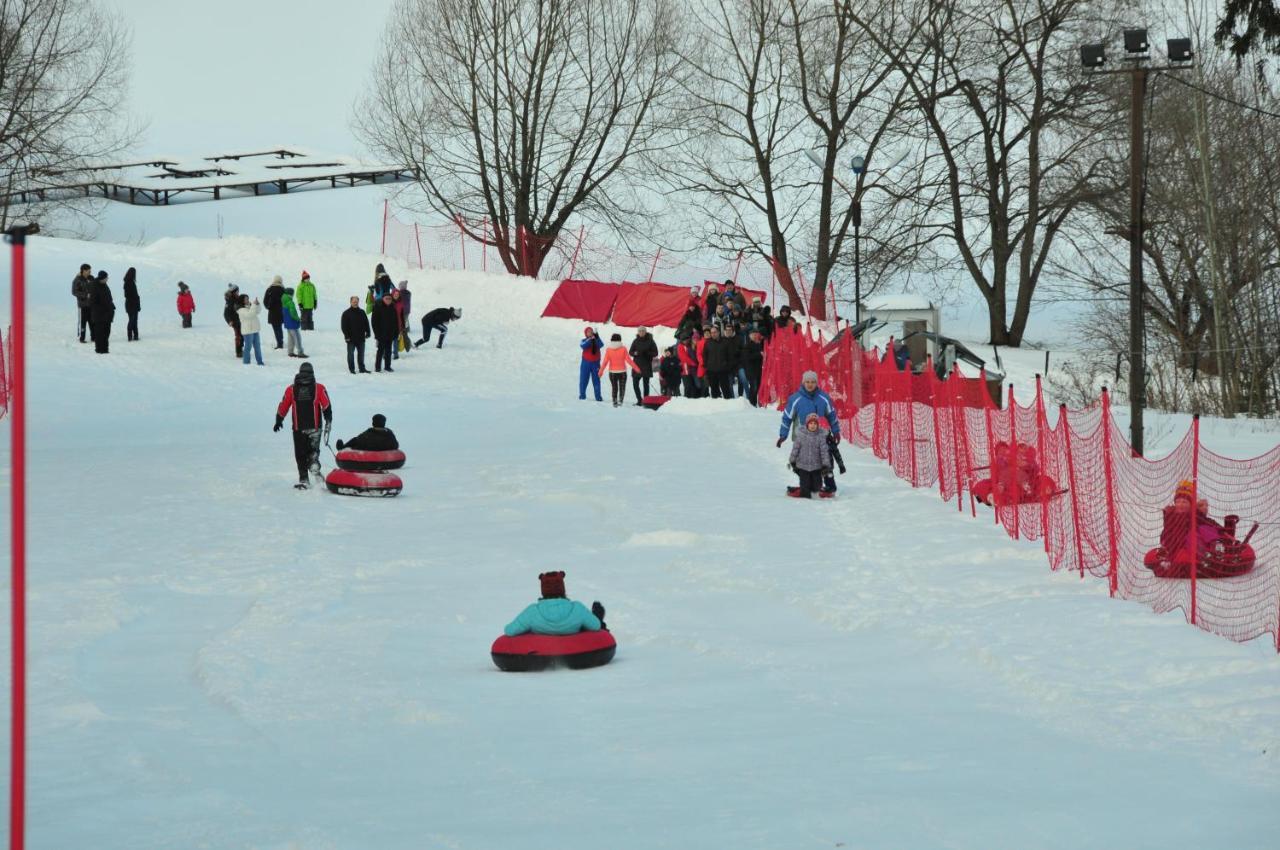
(81, 285)
(811, 456)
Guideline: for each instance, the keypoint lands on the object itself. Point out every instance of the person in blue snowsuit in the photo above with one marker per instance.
(589, 370)
(554, 614)
(808, 399)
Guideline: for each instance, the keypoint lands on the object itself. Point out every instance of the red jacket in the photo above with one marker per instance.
(306, 419)
(688, 362)
(702, 360)
(186, 303)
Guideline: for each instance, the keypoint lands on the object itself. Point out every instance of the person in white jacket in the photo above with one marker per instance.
(250, 328)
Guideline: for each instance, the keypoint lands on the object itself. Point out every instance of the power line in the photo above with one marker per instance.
(1222, 97)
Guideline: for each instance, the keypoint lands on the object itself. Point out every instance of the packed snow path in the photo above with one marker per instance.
(219, 661)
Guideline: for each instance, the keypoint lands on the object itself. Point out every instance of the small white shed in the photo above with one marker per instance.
(904, 308)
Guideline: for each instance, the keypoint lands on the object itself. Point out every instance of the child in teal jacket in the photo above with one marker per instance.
(553, 614)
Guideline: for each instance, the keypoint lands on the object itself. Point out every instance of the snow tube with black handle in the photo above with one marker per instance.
(347, 482)
(360, 461)
(1043, 489)
(653, 402)
(1231, 560)
(532, 652)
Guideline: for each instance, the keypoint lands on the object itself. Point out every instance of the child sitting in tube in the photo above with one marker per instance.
(554, 614)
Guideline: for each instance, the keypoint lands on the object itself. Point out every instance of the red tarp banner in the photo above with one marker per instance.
(747, 294)
(588, 300)
(650, 304)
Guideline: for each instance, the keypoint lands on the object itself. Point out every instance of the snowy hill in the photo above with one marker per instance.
(220, 661)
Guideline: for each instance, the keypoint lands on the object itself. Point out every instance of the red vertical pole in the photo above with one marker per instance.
(573, 265)
(653, 269)
(932, 378)
(1013, 443)
(909, 380)
(1193, 544)
(417, 240)
(1113, 526)
(484, 244)
(1041, 426)
(462, 239)
(1071, 484)
(738, 267)
(773, 284)
(18, 549)
(991, 456)
(959, 437)
(386, 205)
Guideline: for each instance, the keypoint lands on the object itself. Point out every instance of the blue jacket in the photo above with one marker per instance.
(290, 313)
(802, 403)
(553, 617)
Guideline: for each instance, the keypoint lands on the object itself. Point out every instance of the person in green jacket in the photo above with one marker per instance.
(306, 300)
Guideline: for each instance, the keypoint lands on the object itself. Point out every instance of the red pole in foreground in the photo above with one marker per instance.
(17, 236)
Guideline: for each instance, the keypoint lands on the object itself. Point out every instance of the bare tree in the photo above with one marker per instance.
(526, 112)
(63, 81)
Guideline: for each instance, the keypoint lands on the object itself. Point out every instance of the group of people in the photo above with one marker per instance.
(96, 307)
(384, 318)
(815, 449)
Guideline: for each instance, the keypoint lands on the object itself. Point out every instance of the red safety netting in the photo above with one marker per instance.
(1193, 530)
(650, 304)
(589, 300)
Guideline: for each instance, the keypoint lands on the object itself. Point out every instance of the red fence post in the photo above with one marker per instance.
(386, 208)
(1013, 444)
(654, 268)
(909, 380)
(18, 550)
(417, 239)
(1042, 424)
(484, 244)
(573, 264)
(937, 433)
(737, 268)
(1113, 527)
(462, 240)
(960, 440)
(991, 456)
(1071, 483)
(1193, 543)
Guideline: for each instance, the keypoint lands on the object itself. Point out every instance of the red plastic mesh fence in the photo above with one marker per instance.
(1193, 530)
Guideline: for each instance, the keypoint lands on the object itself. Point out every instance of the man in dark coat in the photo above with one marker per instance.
(231, 316)
(102, 312)
(379, 438)
(312, 417)
(355, 330)
(132, 303)
(718, 356)
(273, 303)
(386, 327)
(643, 351)
(438, 320)
(669, 373)
(753, 362)
(81, 286)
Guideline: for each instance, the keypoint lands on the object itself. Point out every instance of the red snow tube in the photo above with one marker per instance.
(531, 652)
(369, 461)
(1227, 561)
(1042, 489)
(653, 402)
(348, 482)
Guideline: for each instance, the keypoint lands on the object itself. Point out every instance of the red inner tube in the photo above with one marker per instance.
(369, 461)
(1043, 488)
(530, 652)
(348, 482)
(1234, 561)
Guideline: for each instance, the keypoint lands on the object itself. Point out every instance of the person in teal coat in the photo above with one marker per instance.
(554, 614)
(292, 324)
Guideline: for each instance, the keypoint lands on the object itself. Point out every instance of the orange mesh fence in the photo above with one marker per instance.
(1193, 530)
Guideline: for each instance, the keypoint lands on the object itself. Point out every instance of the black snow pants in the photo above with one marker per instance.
(306, 451)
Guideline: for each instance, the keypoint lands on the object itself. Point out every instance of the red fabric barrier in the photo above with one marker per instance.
(650, 304)
(588, 300)
(1105, 510)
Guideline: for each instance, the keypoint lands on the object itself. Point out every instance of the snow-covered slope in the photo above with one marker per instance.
(219, 661)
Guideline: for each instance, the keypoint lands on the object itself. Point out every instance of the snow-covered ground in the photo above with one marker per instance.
(219, 661)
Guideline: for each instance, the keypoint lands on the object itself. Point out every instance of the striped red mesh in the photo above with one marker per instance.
(1193, 530)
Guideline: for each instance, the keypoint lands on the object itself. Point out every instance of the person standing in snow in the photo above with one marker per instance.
(273, 300)
(615, 361)
(382, 285)
(231, 314)
(808, 399)
(554, 613)
(669, 373)
(355, 330)
(811, 456)
(643, 352)
(587, 370)
(379, 438)
(753, 363)
(306, 301)
(312, 418)
(718, 356)
(292, 323)
(102, 312)
(405, 304)
(132, 303)
(186, 304)
(249, 327)
(438, 320)
(81, 287)
(386, 326)
(687, 354)
(400, 318)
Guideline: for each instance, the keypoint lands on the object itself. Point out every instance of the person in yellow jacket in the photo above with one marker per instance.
(615, 360)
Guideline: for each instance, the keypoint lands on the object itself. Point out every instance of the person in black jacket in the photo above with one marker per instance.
(718, 355)
(102, 312)
(273, 303)
(669, 373)
(81, 286)
(386, 326)
(643, 351)
(753, 362)
(232, 317)
(355, 330)
(379, 438)
(438, 319)
(132, 303)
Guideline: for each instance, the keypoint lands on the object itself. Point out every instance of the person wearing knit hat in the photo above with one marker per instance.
(249, 328)
(643, 351)
(306, 300)
(81, 286)
(292, 323)
(379, 438)
(231, 315)
(272, 302)
(810, 456)
(555, 613)
(804, 401)
(615, 361)
(588, 369)
(186, 304)
(102, 312)
(312, 416)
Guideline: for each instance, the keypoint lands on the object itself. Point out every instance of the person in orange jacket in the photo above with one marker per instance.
(615, 361)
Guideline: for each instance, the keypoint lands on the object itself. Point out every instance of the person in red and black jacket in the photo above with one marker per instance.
(309, 402)
(590, 368)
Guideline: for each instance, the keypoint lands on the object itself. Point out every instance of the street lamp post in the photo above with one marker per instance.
(859, 165)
